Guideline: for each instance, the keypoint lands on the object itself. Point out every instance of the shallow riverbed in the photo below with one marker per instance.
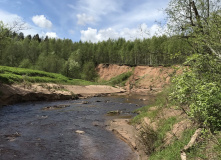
(39, 130)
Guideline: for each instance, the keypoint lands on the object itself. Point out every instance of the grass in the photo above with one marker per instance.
(10, 75)
(208, 147)
(165, 125)
(172, 152)
(119, 80)
(143, 112)
(155, 146)
(160, 101)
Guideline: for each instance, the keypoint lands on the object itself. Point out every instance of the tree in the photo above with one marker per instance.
(198, 89)
(72, 67)
(4, 40)
(198, 21)
(13, 54)
(21, 36)
(36, 38)
(89, 72)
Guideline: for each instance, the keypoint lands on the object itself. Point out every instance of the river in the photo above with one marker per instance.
(40, 131)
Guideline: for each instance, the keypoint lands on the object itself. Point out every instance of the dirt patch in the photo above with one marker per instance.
(106, 72)
(143, 79)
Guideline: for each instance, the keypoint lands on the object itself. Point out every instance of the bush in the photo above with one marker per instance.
(199, 89)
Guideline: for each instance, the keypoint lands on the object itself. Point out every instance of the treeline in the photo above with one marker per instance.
(79, 59)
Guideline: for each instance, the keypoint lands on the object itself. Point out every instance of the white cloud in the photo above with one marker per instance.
(42, 21)
(8, 18)
(84, 19)
(89, 35)
(143, 31)
(15, 22)
(95, 9)
(95, 36)
(51, 35)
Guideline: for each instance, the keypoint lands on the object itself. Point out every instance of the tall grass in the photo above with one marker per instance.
(172, 151)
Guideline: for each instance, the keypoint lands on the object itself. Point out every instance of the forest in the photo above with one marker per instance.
(78, 59)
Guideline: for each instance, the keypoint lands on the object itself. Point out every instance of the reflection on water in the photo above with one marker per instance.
(31, 131)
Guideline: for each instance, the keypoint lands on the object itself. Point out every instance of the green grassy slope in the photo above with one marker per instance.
(10, 75)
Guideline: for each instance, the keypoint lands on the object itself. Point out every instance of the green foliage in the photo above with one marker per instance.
(89, 72)
(72, 67)
(119, 80)
(199, 88)
(11, 75)
(25, 63)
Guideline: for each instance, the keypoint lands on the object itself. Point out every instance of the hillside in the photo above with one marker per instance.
(143, 78)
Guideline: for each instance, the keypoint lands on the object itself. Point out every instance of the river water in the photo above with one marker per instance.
(34, 131)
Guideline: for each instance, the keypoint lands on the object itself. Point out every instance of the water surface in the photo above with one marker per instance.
(28, 131)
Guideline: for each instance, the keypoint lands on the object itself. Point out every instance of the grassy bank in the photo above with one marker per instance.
(165, 129)
(10, 75)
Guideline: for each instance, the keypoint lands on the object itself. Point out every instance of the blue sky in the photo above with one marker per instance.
(86, 20)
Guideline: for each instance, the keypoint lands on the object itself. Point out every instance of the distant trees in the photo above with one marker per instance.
(76, 59)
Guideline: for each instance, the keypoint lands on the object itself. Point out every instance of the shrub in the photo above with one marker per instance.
(199, 89)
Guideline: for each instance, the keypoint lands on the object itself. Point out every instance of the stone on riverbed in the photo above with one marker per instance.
(55, 107)
(79, 132)
(117, 112)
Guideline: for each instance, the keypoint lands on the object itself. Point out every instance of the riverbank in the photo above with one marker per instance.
(11, 94)
(128, 133)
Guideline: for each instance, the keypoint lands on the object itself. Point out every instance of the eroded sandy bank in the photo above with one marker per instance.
(10, 94)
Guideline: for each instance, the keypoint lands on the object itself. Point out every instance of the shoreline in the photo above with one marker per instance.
(12, 94)
(127, 133)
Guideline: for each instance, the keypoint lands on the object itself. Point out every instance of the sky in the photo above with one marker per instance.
(86, 20)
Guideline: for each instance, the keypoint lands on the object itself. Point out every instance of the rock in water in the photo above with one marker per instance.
(79, 132)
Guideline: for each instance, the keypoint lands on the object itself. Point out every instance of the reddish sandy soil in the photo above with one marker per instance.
(144, 78)
(106, 72)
